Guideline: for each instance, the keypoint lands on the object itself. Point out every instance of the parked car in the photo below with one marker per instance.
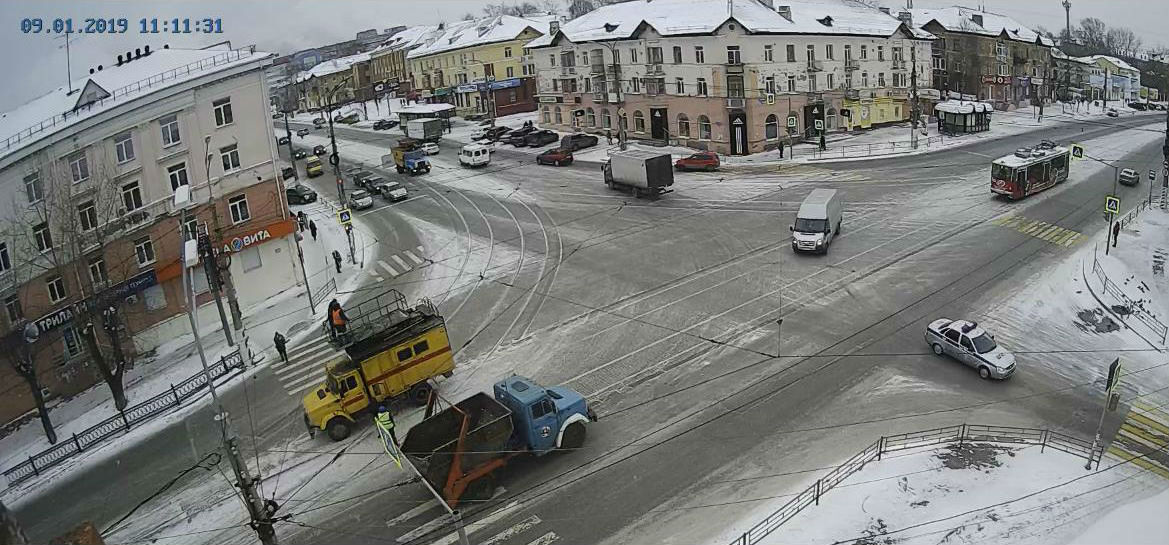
(1129, 176)
(360, 199)
(384, 124)
(1137, 106)
(541, 138)
(299, 154)
(522, 131)
(347, 119)
(319, 122)
(577, 142)
(282, 141)
(277, 115)
(430, 148)
(302, 132)
(496, 132)
(393, 191)
(320, 151)
(517, 139)
(964, 341)
(557, 157)
(299, 194)
(1113, 113)
(478, 134)
(288, 173)
(703, 160)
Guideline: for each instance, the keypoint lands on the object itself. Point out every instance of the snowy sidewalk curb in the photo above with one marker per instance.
(1099, 275)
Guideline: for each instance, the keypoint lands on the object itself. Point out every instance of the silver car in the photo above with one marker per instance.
(968, 343)
(360, 200)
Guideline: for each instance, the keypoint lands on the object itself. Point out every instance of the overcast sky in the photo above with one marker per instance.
(33, 64)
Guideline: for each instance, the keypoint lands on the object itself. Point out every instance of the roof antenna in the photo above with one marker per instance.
(68, 58)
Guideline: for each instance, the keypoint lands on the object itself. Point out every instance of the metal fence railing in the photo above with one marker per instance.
(952, 434)
(866, 150)
(123, 421)
(1158, 328)
(324, 291)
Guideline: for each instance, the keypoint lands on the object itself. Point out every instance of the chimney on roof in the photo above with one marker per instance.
(884, 10)
(166, 46)
(553, 27)
(119, 59)
(977, 18)
(905, 17)
(137, 53)
(146, 51)
(769, 4)
(784, 11)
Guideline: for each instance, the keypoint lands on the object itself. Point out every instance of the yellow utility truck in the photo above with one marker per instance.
(391, 350)
(314, 167)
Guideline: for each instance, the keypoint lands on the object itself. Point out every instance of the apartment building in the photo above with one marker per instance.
(479, 66)
(991, 57)
(87, 178)
(335, 81)
(1072, 76)
(388, 65)
(736, 77)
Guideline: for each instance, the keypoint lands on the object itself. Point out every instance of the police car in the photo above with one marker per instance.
(968, 343)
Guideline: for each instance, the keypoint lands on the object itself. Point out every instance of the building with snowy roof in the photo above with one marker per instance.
(987, 55)
(334, 82)
(738, 76)
(88, 173)
(388, 66)
(1123, 79)
(1072, 76)
(479, 65)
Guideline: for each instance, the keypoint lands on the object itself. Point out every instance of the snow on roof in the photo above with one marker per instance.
(685, 17)
(425, 108)
(114, 85)
(960, 19)
(1055, 52)
(410, 37)
(1115, 61)
(963, 107)
(332, 67)
(477, 32)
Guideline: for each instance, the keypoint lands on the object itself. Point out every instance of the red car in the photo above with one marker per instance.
(556, 157)
(703, 160)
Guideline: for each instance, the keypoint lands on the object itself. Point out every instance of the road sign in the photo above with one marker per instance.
(1077, 151)
(819, 124)
(344, 217)
(621, 111)
(1112, 204)
(791, 121)
(1113, 374)
(771, 98)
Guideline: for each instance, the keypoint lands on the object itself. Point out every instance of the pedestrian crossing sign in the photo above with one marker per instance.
(344, 217)
(1112, 204)
(1077, 152)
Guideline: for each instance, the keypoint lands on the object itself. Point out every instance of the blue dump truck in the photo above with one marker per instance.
(409, 159)
(457, 449)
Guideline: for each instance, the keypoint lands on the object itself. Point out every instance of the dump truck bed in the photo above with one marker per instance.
(432, 443)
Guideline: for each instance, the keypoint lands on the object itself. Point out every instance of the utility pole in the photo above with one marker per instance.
(1107, 88)
(1067, 9)
(915, 107)
(1165, 168)
(218, 265)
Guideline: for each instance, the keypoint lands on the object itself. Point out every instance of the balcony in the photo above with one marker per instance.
(566, 70)
(654, 69)
(899, 64)
(852, 64)
(597, 69)
(815, 65)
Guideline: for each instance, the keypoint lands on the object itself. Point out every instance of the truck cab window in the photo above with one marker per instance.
(421, 347)
(541, 408)
(404, 354)
(350, 383)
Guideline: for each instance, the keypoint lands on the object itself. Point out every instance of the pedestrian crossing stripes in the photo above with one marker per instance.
(1042, 230)
(518, 533)
(306, 365)
(1144, 437)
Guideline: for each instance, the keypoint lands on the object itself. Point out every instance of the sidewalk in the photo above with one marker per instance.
(1137, 290)
(178, 359)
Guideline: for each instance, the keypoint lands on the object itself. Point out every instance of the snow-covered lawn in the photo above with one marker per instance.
(1136, 267)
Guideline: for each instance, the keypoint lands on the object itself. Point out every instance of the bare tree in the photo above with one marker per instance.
(21, 355)
(1122, 41)
(521, 9)
(1092, 33)
(576, 8)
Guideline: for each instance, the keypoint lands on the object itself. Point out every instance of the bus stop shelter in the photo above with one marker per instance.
(961, 116)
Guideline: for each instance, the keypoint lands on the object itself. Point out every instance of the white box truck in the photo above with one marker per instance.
(646, 173)
(425, 130)
(817, 222)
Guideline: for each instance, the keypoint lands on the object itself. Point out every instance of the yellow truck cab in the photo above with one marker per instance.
(313, 167)
(391, 351)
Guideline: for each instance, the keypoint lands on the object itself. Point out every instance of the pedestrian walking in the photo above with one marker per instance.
(781, 149)
(338, 321)
(609, 136)
(822, 146)
(1115, 233)
(281, 346)
(337, 260)
(312, 228)
(302, 219)
(385, 422)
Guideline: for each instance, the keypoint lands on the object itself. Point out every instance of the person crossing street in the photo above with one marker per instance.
(385, 422)
(312, 228)
(281, 346)
(337, 260)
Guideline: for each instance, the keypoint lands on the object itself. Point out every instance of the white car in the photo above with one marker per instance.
(430, 148)
(360, 199)
(479, 134)
(966, 342)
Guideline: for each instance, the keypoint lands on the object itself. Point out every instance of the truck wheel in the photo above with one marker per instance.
(338, 429)
(400, 170)
(448, 374)
(574, 436)
(420, 393)
(479, 490)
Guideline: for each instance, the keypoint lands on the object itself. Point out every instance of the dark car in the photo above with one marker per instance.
(541, 138)
(517, 139)
(371, 183)
(319, 122)
(703, 160)
(384, 124)
(496, 132)
(575, 142)
(320, 151)
(558, 157)
(299, 154)
(282, 141)
(1137, 106)
(299, 194)
(302, 132)
(358, 178)
(288, 173)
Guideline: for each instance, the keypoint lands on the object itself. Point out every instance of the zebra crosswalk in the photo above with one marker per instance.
(529, 530)
(1042, 230)
(306, 365)
(1143, 438)
(398, 264)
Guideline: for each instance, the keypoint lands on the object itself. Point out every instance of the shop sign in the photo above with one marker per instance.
(466, 88)
(549, 100)
(505, 84)
(64, 315)
(239, 243)
(56, 318)
(997, 80)
(929, 94)
(1036, 81)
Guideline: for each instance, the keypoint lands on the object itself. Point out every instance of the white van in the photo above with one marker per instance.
(474, 155)
(817, 222)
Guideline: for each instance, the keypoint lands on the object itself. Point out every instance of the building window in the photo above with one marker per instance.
(733, 55)
(42, 237)
(633, 55)
(677, 54)
(864, 79)
(768, 53)
(5, 258)
(56, 286)
(880, 53)
(144, 249)
(700, 87)
(829, 53)
(864, 52)
(699, 55)
(683, 126)
(635, 85)
(97, 271)
(72, 346)
(606, 121)
(679, 86)
(238, 205)
(555, 86)
(178, 175)
(507, 52)
(791, 83)
(771, 127)
(559, 116)
(170, 130)
(880, 79)
(735, 86)
(87, 214)
(939, 63)
(703, 127)
(812, 82)
(1003, 70)
(769, 85)
(124, 147)
(638, 121)
(591, 117)
(222, 112)
(1000, 50)
(131, 196)
(12, 305)
(230, 157)
(848, 80)
(546, 114)
(811, 54)
(847, 52)
(791, 53)
(831, 83)
(191, 229)
(653, 55)
(622, 121)
(33, 188)
(511, 71)
(79, 168)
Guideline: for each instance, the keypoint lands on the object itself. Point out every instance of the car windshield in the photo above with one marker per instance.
(983, 343)
(359, 195)
(1002, 172)
(805, 225)
(391, 186)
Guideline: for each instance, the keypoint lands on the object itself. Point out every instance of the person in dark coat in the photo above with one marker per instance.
(312, 228)
(1115, 233)
(781, 149)
(281, 346)
(302, 219)
(609, 136)
(337, 260)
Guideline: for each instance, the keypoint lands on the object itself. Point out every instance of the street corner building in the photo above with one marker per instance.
(91, 232)
(736, 77)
